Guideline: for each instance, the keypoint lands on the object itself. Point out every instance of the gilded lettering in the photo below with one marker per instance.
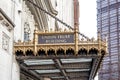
(60, 38)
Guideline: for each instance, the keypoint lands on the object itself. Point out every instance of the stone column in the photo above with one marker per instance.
(76, 24)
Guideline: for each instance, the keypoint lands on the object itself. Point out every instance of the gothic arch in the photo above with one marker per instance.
(82, 51)
(60, 51)
(70, 51)
(41, 52)
(93, 51)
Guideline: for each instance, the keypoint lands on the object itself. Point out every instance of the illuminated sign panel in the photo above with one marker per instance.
(55, 38)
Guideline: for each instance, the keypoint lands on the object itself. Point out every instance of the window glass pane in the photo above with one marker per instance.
(114, 50)
(113, 34)
(105, 21)
(114, 75)
(113, 20)
(105, 67)
(113, 11)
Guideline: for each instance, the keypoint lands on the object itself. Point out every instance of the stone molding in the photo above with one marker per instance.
(4, 16)
(6, 21)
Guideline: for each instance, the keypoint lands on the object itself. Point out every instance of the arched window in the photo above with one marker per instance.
(27, 31)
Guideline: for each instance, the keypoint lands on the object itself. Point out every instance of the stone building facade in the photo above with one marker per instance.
(17, 22)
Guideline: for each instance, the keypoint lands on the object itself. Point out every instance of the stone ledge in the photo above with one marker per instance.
(6, 17)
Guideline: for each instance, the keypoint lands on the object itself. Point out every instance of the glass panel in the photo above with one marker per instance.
(76, 70)
(57, 77)
(48, 71)
(115, 75)
(114, 49)
(106, 77)
(114, 59)
(39, 62)
(113, 11)
(105, 21)
(113, 34)
(105, 67)
(112, 2)
(113, 20)
(114, 67)
(75, 60)
(113, 28)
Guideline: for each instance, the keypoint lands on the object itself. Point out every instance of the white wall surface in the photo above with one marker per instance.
(65, 10)
(6, 6)
(6, 56)
(27, 17)
(20, 18)
(7, 65)
(15, 70)
(17, 6)
(9, 69)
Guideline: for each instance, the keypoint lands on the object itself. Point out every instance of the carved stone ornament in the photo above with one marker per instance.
(6, 21)
(1, 18)
(5, 41)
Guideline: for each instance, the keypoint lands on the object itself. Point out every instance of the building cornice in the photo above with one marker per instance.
(7, 19)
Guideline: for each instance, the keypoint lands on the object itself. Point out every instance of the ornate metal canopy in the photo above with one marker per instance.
(60, 56)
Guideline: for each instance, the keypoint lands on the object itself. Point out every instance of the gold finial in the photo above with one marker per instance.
(19, 40)
(99, 36)
(65, 30)
(106, 42)
(82, 39)
(60, 29)
(46, 30)
(50, 29)
(36, 25)
(93, 39)
(106, 37)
